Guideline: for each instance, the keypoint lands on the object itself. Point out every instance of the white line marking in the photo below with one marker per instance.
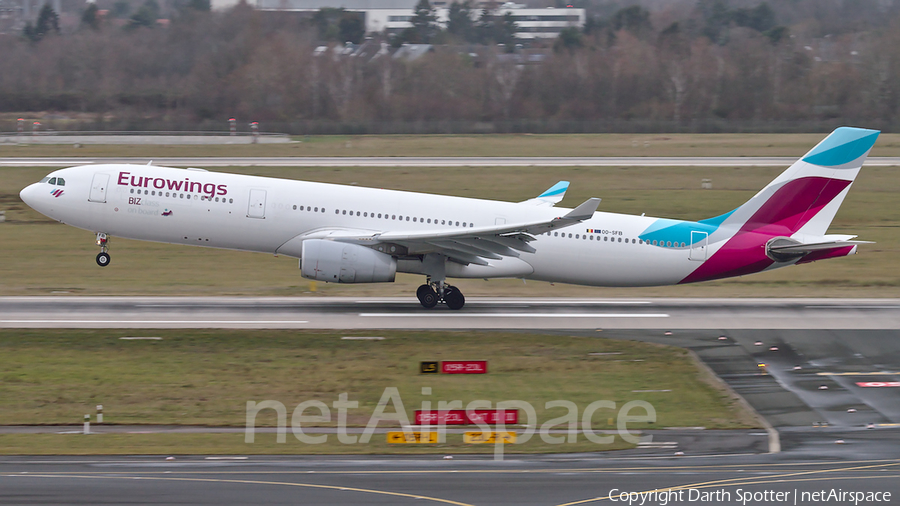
(243, 322)
(852, 307)
(517, 315)
(525, 302)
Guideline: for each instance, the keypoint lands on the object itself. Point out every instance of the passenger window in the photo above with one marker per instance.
(317, 209)
(605, 238)
(407, 218)
(357, 213)
(457, 223)
(230, 201)
(443, 222)
(429, 220)
(60, 181)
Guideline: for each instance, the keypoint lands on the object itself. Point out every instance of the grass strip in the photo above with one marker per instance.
(200, 377)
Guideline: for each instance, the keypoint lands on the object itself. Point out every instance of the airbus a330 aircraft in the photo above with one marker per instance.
(347, 234)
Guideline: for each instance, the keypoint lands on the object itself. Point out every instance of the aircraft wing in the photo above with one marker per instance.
(551, 197)
(471, 245)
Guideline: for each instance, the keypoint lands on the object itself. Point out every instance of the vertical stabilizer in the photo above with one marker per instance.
(806, 197)
(798, 206)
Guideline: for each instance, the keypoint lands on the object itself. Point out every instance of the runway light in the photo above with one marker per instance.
(851, 410)
(773, 348)
(839, 442)
(870, 426)
(823, 387)
(668, 333)
(723, 338)
(448, 457)
(758, 343)
(797, 368)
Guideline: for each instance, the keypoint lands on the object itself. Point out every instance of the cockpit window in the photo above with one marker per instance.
(60, 181)
(53, 181)
(46, 179)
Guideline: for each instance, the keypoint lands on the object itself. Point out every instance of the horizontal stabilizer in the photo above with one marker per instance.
(807, 248)
(785, 249)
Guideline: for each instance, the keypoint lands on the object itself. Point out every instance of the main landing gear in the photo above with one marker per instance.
(103, 256)
(430, 294)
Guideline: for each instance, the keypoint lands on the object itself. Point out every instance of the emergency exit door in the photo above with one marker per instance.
(98, 188)
(699, 245)
(257, 207)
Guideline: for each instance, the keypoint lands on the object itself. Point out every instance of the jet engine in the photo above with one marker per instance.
(338, 262)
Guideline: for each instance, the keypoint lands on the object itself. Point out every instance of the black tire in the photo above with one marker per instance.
(454, 298)
(103, 259)
(426, 296)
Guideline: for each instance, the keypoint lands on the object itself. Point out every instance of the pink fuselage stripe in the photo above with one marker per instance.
(783, 214)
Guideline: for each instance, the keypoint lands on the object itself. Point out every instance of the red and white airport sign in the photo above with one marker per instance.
(460, 417)
(874, 384)
(464, 367)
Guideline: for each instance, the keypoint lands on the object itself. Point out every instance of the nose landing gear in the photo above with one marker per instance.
(449, 295)
(103, 257)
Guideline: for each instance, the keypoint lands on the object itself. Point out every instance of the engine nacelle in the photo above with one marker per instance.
(338, 262)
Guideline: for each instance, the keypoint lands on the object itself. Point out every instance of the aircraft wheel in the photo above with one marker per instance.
(427, 297)
(103, 259)
(454, 298)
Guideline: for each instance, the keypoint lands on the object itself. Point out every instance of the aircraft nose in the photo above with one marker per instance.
(29, 194)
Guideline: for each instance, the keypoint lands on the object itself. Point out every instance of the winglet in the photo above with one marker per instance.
(551, 197)
(585, 211)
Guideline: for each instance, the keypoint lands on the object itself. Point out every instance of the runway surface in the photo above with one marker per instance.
(861, 465)
(479, 313)
(830, 385)
(403, 161)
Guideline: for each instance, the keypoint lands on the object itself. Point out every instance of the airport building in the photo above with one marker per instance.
(393, 16)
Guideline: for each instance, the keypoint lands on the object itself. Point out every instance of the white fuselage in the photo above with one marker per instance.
(261, 214)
